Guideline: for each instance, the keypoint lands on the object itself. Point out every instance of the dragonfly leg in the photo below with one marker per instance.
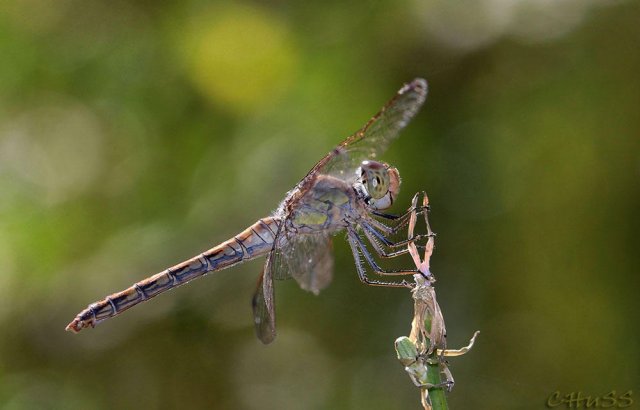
(402, 218)
(417, 208)
(380, 249)
(400, 221)
(362, 275)
(356, 241)
(398, 224)
(378, 241)
(371, 231)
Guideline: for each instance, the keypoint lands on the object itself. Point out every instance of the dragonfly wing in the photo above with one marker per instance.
(279, 267)
(377, 134)
(309, 260)
(264, 314)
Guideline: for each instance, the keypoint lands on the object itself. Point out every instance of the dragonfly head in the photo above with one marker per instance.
(379, 182)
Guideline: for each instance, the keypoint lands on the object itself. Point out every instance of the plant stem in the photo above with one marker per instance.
(437, 395)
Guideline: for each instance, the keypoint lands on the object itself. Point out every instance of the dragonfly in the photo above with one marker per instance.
(347, 190)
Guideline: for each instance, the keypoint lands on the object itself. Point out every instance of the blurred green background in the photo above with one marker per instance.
(134, 135)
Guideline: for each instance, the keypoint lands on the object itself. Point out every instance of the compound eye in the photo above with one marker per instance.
(375, 177)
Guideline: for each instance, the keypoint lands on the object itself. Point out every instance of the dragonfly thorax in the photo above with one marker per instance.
(378, 182)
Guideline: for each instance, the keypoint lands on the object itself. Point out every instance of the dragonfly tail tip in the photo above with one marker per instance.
(73, 327)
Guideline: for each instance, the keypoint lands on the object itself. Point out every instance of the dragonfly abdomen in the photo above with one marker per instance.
(254, 241)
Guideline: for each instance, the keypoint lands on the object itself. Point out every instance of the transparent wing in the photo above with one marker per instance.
(306, 258)
(376, 136)
(264, 315)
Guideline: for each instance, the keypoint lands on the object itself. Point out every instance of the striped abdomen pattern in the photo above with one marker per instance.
(254, 241)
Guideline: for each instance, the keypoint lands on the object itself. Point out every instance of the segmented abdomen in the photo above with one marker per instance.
(254, 241)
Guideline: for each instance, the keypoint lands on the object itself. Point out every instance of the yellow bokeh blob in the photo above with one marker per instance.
(239, 57)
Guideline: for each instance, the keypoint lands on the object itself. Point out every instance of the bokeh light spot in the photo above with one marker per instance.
(56, 148)
(239, 56)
